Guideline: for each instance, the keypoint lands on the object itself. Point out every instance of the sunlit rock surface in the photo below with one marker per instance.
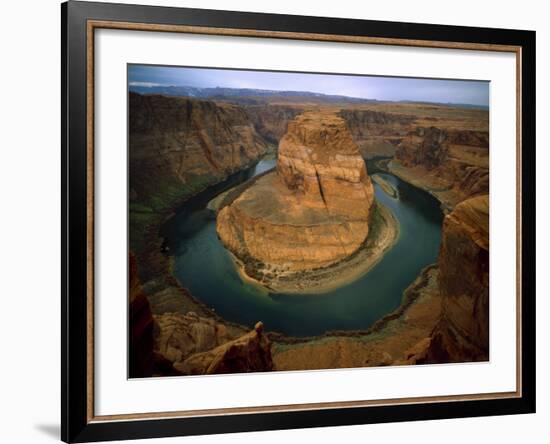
(313, 211)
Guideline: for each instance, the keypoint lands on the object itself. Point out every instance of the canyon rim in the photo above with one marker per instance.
(307, 221)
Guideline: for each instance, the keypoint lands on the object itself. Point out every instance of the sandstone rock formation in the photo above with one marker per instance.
(376, 133)
(444, 316)
(463, 332)
(442, 149)
(452, 163)
(181, 335)
(271, 121)
(201, 345)
(248, 353)
(179, 145)
(313, 211)
(319, 159)
(424, 146)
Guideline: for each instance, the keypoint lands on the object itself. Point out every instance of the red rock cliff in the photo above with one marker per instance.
(186, 143)
(463, 332)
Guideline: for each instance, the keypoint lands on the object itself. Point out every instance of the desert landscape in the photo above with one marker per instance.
(287, 229)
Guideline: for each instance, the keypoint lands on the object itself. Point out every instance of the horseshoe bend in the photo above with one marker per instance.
(274, 230)
(313, 223)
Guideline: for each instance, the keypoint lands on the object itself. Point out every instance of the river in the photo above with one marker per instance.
(204, 266)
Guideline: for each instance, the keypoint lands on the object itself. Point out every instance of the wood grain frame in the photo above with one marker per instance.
(80, 20)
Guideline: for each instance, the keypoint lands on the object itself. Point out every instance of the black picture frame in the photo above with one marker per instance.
(76, 424)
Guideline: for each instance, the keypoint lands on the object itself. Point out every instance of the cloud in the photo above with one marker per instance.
(362, 86)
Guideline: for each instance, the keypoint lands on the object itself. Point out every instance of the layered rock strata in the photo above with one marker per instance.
(170, 142)
(444, 316)
(271, 121)
(248, 353)
(313, 211)
(424, 146)
(463, 332)
(453, 164)
(377, 133)
(194, 344)
(180, 145)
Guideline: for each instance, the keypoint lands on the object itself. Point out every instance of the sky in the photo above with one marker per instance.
(368, 87)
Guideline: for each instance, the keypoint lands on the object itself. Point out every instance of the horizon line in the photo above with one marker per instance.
(157, 85)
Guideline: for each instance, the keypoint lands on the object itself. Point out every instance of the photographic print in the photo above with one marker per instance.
(304, 221)
(255, 201)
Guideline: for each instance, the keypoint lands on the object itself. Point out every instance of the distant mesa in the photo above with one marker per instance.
(313, 211)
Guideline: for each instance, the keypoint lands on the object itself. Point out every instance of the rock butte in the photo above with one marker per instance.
(313, 211)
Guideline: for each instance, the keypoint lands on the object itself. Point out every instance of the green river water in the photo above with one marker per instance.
(204, 266)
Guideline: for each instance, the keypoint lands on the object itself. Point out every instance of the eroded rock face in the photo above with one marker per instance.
(198, 345)
(463, 332)
(314, 211)
(271, 121)
(473, 180)
(181, 335)
(400, 338)
(248, 353)
(376, 133)
(424, 146)
(318, 158)
(452, 161)
(183, 143)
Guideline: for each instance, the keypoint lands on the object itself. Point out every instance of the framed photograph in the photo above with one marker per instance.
(276, 221)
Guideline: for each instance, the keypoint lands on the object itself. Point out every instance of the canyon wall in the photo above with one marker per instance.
(314, 211)
(424, 146)
(443, 318)
(460, 332)
(376, 133)
(463, 332)
(182, 343)
(271, 121)
(180, 145)
(452, 163)
(177, 147)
